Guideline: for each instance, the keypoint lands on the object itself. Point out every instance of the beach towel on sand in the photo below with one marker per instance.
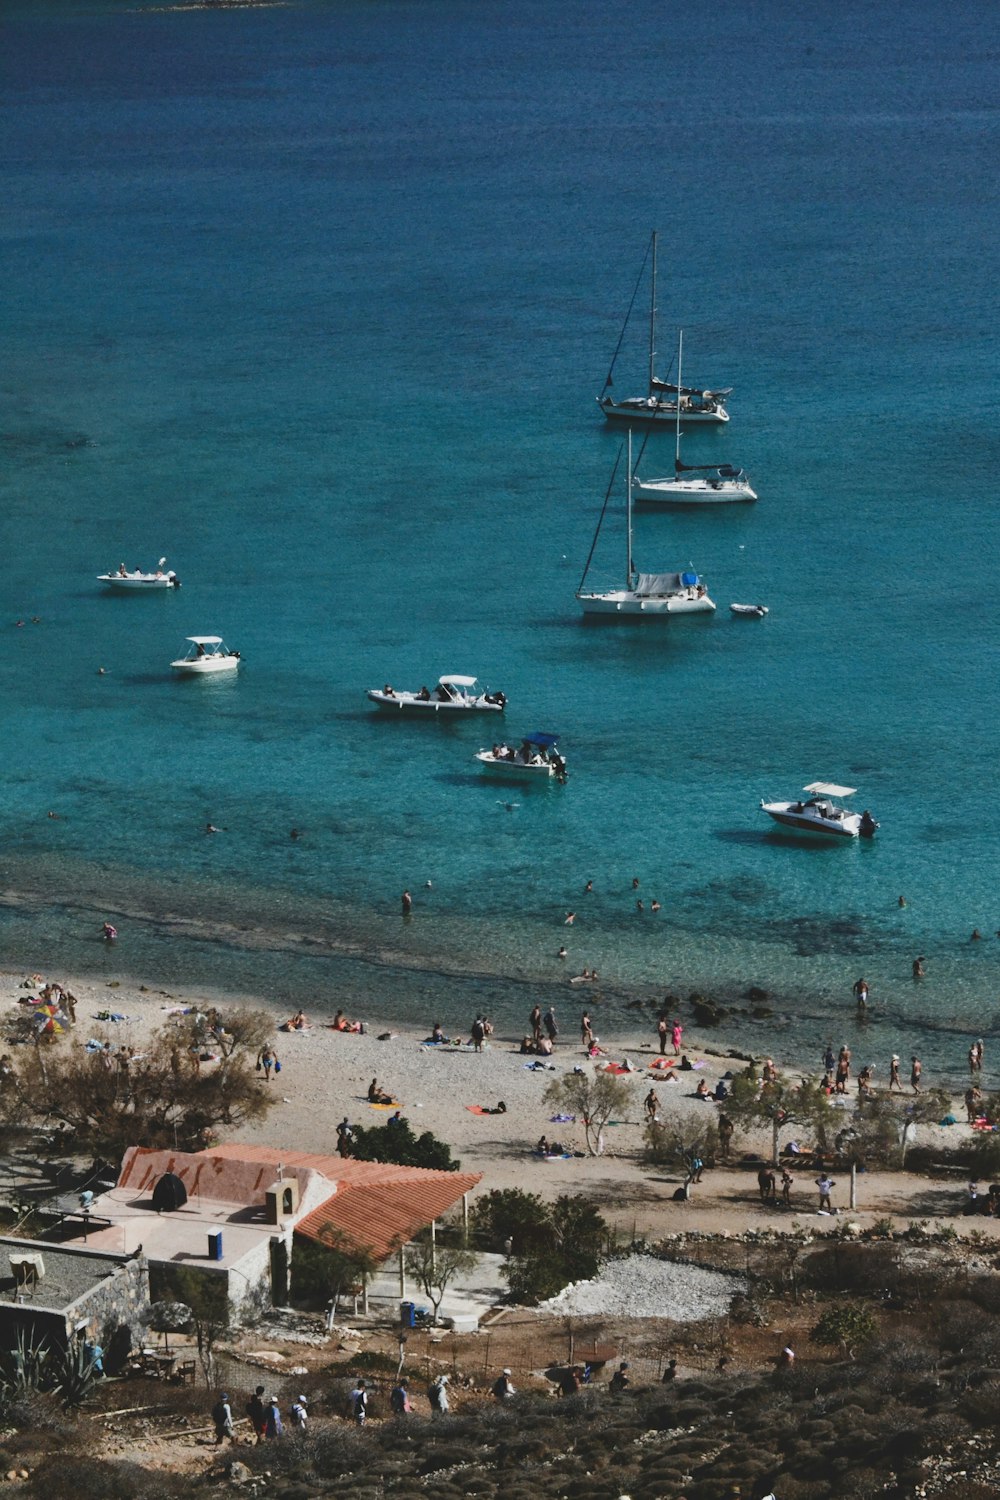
(393, 1104)
(475, 1109)
(617, 1068)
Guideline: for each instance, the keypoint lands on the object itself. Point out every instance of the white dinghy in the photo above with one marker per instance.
(750, 611)
(452, 695)
(819, 815)
(208, 653)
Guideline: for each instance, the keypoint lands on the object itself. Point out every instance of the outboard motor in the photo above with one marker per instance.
(867, 826)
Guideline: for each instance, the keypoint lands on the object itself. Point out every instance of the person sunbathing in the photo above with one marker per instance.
(341, 1023)
(297, 1022)
(377, 1095)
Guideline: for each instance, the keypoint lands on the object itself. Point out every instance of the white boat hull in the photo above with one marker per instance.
(692, 491)
(411, 703)
(640, 409)
(749, 611)
(141, 581)
(206, 665)
(625, 602)
(847, 826)
(515, 770)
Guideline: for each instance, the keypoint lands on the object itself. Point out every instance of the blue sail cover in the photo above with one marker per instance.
(543, 741)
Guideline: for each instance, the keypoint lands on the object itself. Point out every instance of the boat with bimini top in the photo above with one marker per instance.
(536, 759)
(663, 401)
(451, 695)
(820, 815)
(122, 579)
(644, 594)
(208, 653)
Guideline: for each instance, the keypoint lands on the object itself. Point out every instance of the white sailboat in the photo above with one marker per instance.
(663, 401)
(644, 593)
(694, 484)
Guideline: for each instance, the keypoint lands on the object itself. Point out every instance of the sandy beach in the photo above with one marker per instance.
(325, 1076)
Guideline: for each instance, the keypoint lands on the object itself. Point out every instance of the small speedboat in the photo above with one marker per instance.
(121, 578)
(208, 653)
(452, 695)
(536, 759)
(819, 815)
(754, 611)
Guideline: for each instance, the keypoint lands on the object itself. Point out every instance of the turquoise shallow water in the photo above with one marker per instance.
(315, 300)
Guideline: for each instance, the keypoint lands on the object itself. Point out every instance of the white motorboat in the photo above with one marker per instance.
(536, 759)
(121, 578)
(208, 653)
(753, 611)
(650, 594)
(819, 815)
(694, 484)
(451, 695)
(663, 402)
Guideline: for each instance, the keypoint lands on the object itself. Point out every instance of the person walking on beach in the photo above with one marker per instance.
(726, 1128)
(479, 1034)
(916, 1068)
(267, 1059)
(843, 1070)
(894, 1081)
(652, 1106)
(973, 1100)
(661, 1032)
(676, 1033)
(535, 1023)
(586, 1031)
(829, 1060)
(826, 1186)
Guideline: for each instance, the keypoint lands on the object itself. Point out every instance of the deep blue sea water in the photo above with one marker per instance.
(315, 300)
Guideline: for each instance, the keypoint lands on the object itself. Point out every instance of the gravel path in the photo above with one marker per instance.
(643, 1287)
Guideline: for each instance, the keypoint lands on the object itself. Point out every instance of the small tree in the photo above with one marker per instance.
(398, 1144)
(593, 1098)
(512, 1216)
(847, 1325)
(209, 1315)
(780, 1105)
(885, 1124)
(435, 1267)
(679, 1150)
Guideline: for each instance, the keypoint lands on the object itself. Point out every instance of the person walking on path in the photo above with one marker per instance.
(894, 1079)
(399, 1399)
(726, 1129)
(437, 1394)
(766, 1184)
(274, 1427)
(661, 1032)
(786, 1187)
(826, 1186)
(222, 1416)
(257, 1412)
(916, 1069)
(359, 1403)
(300, 1413)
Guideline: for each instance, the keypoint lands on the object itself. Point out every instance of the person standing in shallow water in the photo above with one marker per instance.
(407, 903)
(894, 1079)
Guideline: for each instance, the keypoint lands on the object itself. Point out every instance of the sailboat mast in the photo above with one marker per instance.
(628, 578)
(680, 356)
(652, 320)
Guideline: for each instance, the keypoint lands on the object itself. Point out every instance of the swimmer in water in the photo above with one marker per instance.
(570, 919)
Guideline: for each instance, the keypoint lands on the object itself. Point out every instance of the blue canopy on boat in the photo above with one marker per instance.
(543, 741)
